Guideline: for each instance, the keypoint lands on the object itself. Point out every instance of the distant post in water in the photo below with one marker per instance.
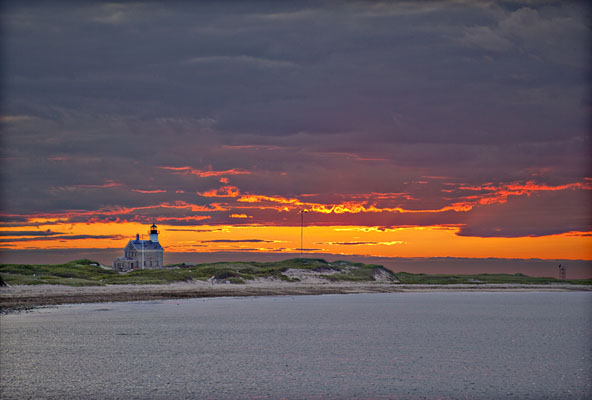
(562, 272)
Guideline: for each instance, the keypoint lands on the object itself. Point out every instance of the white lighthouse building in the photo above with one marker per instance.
(141, 254)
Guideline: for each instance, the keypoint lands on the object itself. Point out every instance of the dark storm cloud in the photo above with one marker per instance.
(238, 241)
(13, 220)
(30, 233)
(335, 99)
(364, 243)
(194, 230)
(62, 237)
(536, 215)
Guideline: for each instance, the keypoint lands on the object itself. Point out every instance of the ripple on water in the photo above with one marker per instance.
(384, 346)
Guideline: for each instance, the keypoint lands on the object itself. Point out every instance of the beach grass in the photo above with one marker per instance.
(86, 272)
(445, 279)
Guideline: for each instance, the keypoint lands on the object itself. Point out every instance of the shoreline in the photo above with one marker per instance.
(15, 298)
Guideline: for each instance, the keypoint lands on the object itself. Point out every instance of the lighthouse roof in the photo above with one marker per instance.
(146, 245)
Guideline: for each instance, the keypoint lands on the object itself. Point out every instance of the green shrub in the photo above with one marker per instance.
(83, 273)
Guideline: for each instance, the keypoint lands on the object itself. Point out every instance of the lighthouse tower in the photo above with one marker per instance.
(141, 254)
(153, 233)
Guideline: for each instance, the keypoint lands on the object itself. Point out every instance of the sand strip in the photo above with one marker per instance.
(22, 297)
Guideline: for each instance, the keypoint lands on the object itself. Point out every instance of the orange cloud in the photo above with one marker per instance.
(239, 216)
(528, 187)
(224, 191)
(500, 193)
(205, 174)
(66, 216)
(391, 243)
(149, 191)
(193, 218)
(275, 199)
(262, 208)
(347, 207)
(427, 241)
(193, 207)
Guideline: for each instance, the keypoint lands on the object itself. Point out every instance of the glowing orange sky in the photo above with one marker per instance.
(236, 221)
(432, 241)
(409, 133)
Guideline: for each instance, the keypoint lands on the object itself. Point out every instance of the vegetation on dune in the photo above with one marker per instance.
(442, 279)
(74, 273)
(89, 273)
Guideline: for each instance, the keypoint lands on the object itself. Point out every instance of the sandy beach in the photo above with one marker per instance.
(19, 297)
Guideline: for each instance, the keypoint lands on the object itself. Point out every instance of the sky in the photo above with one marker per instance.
(399, 129)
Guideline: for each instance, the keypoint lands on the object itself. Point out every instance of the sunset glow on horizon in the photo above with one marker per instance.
(427, 241)
(403, 129)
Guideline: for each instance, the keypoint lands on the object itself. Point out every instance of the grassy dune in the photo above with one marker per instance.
(408, 278)
(88, 273)
(84, 273)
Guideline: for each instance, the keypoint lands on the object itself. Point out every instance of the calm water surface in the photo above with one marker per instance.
(383, 346)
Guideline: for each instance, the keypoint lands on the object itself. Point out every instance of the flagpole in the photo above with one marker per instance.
(142, 241)
(302, 232)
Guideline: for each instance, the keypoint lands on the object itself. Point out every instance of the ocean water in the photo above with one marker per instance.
(367, 346)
